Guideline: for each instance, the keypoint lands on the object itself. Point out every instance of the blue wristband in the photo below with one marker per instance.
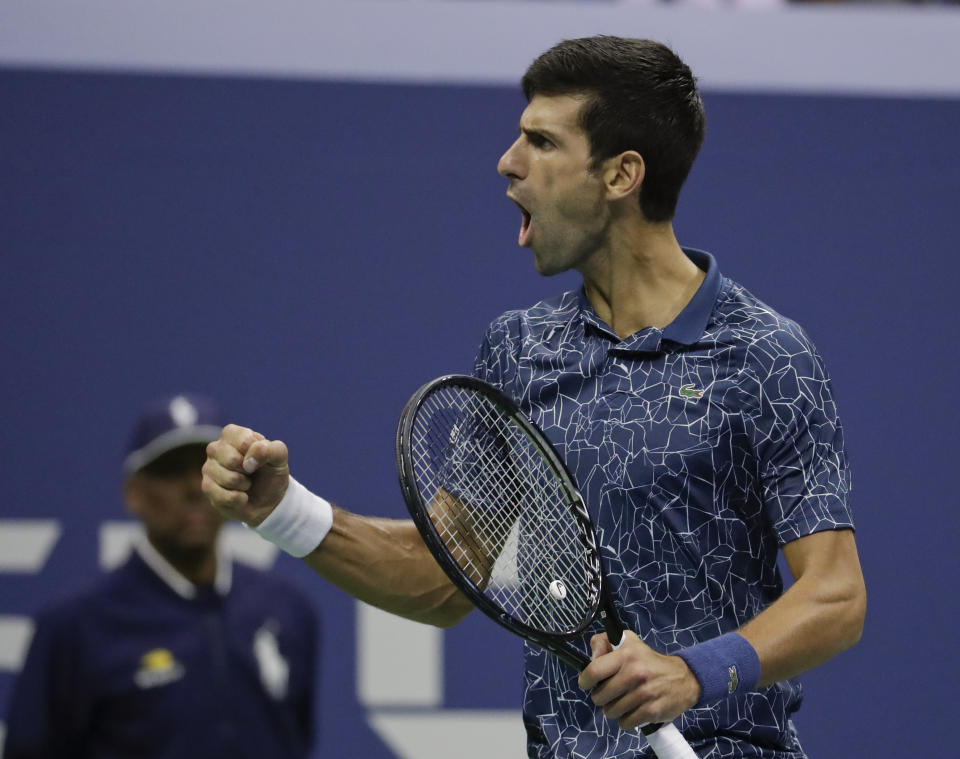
(723, 666)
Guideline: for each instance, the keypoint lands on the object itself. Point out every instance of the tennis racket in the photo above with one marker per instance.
(501, 514)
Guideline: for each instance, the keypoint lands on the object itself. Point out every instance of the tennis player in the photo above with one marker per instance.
(699, 423)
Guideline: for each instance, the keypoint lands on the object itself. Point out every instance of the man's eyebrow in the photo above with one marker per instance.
(537, 131)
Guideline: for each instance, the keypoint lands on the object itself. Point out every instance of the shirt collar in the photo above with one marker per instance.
(176, 581)
(689, 325)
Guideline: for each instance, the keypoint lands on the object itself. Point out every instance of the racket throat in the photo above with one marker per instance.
(611, 622)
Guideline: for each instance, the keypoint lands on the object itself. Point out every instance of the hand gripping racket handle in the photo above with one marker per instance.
(666, 741)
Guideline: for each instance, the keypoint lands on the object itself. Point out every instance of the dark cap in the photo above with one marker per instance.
(170, 423)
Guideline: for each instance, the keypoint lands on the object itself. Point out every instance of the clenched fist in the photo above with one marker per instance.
(245, 475)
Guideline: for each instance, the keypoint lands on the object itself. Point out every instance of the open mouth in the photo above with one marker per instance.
(523, 239)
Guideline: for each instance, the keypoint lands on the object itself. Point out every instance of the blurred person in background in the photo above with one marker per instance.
(180, 652)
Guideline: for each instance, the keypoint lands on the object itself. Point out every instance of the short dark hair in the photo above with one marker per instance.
(642, 98)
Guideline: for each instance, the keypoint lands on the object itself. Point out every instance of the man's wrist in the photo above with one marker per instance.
(299, 523)
(724, 666)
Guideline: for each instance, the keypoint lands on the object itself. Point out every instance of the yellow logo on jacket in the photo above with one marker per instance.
(158, 667)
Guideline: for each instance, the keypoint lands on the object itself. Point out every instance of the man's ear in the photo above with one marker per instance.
(623, 174)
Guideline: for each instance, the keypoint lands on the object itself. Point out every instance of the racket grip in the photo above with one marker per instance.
(668, 743)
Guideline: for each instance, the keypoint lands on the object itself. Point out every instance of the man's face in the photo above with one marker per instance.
(564, 213)
(175, 513)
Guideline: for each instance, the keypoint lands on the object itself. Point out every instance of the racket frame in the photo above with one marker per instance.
(601, 604)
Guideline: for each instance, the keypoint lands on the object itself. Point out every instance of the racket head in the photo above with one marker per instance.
(481, 480)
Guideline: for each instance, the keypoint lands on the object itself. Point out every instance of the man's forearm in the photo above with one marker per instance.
(385, 563)
(819, 616)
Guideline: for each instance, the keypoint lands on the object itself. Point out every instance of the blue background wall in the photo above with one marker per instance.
(312, 251)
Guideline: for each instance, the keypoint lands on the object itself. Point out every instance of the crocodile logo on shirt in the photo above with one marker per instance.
(691, 392)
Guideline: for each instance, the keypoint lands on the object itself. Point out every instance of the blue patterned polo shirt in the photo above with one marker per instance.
(700, 449)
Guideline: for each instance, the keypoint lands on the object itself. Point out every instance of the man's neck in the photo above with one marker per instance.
(199, 572)
(199, 566)
(642, 279)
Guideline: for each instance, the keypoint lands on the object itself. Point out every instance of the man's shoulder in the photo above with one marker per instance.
(740, 317)
(519, 331)
(89, 602)
(775, 361)
(541, 316)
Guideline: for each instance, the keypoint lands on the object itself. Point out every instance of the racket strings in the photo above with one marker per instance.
(461, 538)
(502, 511)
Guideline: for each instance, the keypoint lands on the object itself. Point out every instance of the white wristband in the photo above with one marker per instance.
(300, 521)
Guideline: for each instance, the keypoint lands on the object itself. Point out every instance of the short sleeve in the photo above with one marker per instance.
(798, 437)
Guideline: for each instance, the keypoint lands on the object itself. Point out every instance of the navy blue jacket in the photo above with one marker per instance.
(132, 669)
